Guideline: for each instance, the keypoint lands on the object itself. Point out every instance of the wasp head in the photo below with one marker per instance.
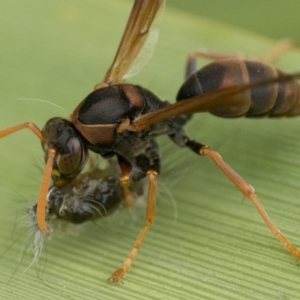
(72, 152)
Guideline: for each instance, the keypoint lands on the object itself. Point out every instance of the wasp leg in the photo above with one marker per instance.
(150, 213)
(191, 63)
(278, 49)
(41, 202)
(126, 169)
(146, 164)
(149, 160)
(246, 189)
(16, 128)
(42, 199)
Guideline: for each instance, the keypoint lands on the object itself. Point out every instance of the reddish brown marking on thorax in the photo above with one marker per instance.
(132, 94)
(94, 133)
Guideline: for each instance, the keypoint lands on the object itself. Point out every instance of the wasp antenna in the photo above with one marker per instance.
(44, 101)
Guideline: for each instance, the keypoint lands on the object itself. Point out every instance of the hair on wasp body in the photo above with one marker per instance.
(123, 120)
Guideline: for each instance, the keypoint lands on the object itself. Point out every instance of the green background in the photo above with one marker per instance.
(204, 244)
(274, 18)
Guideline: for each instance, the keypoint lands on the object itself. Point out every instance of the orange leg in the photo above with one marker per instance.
(150, 213)
(124, 182)
(278, 49)
(42, 199)
(246, 189)
(42, 202)
(16, 128)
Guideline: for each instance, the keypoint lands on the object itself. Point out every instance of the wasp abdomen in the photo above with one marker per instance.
(272, 100)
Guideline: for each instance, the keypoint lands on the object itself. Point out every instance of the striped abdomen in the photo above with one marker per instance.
(278, 99)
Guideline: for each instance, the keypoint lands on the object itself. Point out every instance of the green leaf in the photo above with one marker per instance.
(205, 243)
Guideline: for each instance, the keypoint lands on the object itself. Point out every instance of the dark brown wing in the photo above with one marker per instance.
(221, 98)
(137, 31)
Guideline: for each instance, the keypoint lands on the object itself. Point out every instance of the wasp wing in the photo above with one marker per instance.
(139, 33)
(222, 98)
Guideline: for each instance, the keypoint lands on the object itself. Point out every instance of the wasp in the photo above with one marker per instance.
(122, 120)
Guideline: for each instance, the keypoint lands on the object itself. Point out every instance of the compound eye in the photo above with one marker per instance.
(68, 163)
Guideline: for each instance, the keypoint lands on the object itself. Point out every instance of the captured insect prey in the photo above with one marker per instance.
(120, 121)
(93, 194)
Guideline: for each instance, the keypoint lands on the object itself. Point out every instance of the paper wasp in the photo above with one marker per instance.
(122, 120)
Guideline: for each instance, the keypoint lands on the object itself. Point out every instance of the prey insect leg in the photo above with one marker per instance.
(246, 189)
